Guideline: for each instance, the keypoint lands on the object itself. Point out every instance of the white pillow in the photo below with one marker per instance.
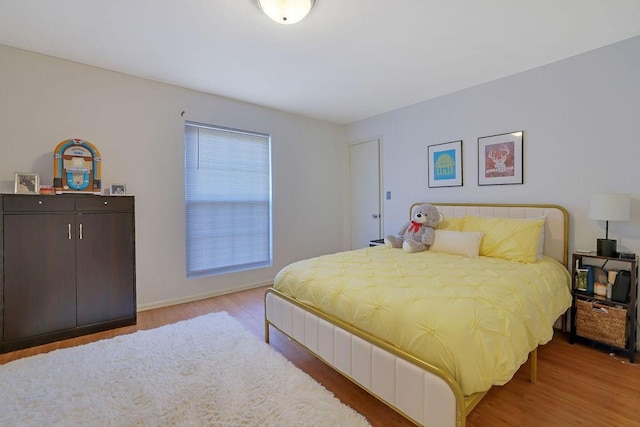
(457, 242)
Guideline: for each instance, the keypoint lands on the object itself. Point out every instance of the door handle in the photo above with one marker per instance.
(375, 216)
(80, 231)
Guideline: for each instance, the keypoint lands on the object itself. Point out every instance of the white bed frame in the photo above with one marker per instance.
(423, 393)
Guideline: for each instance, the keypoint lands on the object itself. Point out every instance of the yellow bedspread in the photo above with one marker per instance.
(477, 318)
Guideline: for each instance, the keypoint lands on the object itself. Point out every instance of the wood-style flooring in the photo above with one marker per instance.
(577, 385)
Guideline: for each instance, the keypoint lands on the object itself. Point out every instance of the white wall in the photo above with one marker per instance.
(137, 127)
(581, 118)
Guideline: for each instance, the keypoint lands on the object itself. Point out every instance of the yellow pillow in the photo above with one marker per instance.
(454, 223)
(508, 238)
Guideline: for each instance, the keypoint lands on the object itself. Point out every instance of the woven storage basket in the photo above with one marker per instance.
(601, 323)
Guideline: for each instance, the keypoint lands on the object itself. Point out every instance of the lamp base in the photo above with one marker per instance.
(607, 247)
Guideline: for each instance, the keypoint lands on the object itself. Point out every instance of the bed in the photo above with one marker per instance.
(429, 333)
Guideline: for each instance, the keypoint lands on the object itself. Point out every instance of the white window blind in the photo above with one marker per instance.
(227, 200)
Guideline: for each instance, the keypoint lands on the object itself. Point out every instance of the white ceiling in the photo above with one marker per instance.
(348, 60)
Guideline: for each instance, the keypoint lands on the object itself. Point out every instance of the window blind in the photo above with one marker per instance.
(227, 200)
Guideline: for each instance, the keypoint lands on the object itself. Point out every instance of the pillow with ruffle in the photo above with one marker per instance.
(513, 239)
(453, 223)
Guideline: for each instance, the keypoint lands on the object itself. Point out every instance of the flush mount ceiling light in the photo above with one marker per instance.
(286, 11)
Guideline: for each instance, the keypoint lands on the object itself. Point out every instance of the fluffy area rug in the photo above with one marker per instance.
(206, 371)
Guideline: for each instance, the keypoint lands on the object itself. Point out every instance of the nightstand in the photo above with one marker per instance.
(601, 319)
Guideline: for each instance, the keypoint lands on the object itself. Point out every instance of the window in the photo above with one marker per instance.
(227, 199)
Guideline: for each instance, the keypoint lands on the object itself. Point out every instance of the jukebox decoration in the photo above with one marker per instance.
(77, 168)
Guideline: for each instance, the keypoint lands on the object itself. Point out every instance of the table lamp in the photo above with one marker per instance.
(609, 207)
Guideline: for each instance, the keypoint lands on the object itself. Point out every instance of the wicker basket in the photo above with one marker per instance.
(601, 323)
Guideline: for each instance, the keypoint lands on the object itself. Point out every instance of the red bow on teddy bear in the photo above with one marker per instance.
(414, 227)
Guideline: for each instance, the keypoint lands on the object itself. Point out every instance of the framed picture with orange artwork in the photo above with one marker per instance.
(500, 159)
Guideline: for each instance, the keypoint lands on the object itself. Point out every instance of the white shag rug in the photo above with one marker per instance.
(207, 371)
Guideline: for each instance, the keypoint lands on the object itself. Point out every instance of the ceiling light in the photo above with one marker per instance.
(286, 11)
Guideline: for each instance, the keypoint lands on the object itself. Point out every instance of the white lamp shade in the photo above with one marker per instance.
(286, 11)
(610, 207)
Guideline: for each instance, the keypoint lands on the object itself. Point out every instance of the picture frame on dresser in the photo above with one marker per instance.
(118, 190)
(500, 159)
(26, 183)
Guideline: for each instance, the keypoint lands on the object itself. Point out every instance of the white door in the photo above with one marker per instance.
(366, 222)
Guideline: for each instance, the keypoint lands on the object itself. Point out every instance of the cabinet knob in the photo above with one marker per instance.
(106, 203)
(39, 202)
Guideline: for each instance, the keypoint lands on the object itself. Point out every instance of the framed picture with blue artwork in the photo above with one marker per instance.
(445, 164)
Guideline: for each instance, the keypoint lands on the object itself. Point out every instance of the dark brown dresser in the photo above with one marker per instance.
(68, 267)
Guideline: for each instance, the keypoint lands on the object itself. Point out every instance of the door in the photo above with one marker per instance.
(366, 221)
(105, 267)
(39, 269)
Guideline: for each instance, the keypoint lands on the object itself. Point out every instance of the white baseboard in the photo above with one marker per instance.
(198, 297)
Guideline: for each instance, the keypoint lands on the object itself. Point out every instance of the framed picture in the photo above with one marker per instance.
(500, 159)
(445, 164)
(118, 189)
(26, 183)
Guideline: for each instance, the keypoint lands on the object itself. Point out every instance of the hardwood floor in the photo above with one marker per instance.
(577, 385)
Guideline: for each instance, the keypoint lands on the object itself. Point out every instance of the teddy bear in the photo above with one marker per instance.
(419, 234)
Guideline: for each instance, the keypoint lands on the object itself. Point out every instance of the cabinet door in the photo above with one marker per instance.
(105, 267)
(39, 274)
